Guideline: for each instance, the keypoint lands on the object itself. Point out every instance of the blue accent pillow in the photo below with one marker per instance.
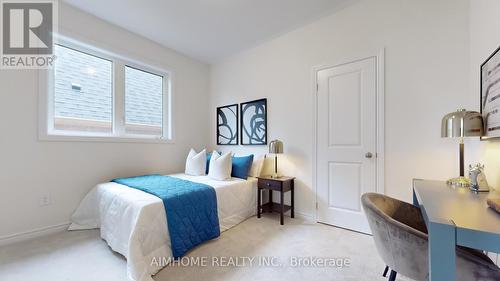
(209, 156)
(241, 166)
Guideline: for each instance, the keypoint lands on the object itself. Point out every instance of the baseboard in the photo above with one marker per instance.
(22, 236)
(304, 216)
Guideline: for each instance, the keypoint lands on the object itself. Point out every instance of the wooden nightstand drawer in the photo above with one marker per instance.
(269, 184)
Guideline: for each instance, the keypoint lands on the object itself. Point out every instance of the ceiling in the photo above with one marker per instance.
(209, 30)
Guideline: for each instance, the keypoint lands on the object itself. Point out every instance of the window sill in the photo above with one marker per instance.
(103, 138)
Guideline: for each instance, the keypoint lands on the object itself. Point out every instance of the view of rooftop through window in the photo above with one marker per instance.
(83, 92)
(143, 102)
(84, 95)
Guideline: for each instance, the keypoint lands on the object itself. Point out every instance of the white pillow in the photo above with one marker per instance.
(196, 163)
(220, 166)
(258, 163)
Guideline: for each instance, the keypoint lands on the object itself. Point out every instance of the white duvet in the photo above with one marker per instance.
(134, 224)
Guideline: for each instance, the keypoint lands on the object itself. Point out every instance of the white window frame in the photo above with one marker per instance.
(118, 134)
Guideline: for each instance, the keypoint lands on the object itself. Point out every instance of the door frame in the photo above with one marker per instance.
(380, 132)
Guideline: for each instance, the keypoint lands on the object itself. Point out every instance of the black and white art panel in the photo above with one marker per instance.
(254, 122)
(227, 125)
(490, 94)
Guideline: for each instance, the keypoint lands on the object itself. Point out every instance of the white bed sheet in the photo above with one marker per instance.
(134, 224)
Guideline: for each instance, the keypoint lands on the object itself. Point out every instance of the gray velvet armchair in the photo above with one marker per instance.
(400, 237)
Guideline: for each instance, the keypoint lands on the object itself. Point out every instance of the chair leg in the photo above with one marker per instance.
(385, 271)
(392, 277)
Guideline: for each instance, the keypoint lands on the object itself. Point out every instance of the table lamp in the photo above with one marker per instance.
(460, 124)
(275, 147)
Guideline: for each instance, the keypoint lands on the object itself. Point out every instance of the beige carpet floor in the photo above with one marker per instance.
(83, 256)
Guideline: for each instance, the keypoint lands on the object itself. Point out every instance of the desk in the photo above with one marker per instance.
(455, 216)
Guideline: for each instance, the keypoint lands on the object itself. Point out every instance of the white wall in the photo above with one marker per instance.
(427, 75)
(484, 40)
(68, 170)
(431, 68)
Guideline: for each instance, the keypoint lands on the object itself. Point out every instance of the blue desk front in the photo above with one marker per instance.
(455, 216)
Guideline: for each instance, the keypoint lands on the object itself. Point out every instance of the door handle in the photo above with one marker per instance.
(368, 155)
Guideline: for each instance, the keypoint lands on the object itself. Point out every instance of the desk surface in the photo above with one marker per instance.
(461, 207)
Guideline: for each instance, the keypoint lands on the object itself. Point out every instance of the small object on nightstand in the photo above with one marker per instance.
(280, 184)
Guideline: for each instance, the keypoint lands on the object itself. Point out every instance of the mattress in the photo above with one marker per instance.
(134, 223)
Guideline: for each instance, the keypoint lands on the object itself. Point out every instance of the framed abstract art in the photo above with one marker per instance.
(227, 125)
(254, 122)
(490, 95)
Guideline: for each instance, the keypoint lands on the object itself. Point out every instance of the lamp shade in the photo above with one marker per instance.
(462, 123)
(276, 147)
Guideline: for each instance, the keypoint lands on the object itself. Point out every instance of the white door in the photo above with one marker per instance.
(346, 142)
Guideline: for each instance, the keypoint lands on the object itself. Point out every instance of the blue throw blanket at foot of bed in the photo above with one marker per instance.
(191, 209)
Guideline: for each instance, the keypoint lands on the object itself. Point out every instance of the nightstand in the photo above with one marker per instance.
(280, 184)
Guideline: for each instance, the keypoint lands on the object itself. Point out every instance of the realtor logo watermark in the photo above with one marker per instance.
(28, 29)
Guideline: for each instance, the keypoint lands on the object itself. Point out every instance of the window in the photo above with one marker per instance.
(83, 92)
(143, 102)
(95, 95)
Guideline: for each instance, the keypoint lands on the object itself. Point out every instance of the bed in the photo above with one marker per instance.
(134, 223)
